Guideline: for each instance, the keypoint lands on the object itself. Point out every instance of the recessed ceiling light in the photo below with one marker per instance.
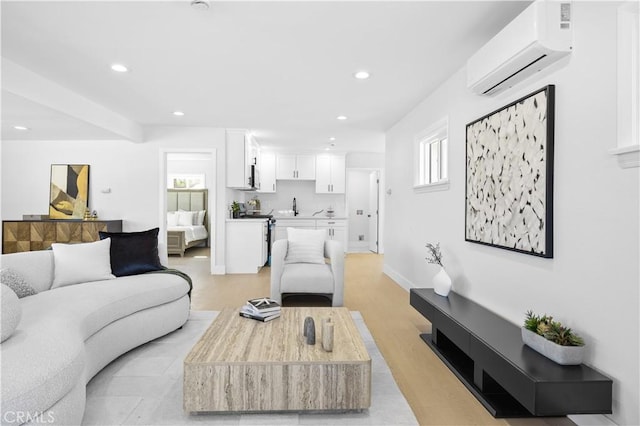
(327, 149)
(200, 4)
(178, 113)
(341, 117)
(362, 75)
(119, 68)
(332, 138)
(20, 128)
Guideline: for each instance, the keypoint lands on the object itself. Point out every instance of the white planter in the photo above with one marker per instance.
(442, 283)
(564, 355)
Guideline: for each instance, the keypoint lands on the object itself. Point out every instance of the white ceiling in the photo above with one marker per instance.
(281, 69)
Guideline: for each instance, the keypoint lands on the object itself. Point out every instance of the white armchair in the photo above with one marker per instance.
(313, 278)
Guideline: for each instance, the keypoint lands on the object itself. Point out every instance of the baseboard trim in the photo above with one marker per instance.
(358, 245)
(591, 420)
(219, 270)
(397, 277)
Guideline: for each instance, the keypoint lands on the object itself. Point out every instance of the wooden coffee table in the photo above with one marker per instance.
(243, 365)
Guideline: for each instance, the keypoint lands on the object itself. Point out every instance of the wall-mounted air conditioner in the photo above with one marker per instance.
(537, 37)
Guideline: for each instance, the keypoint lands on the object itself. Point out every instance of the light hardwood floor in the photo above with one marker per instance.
(435, 395)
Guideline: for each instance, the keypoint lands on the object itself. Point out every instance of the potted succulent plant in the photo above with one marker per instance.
(552, 339)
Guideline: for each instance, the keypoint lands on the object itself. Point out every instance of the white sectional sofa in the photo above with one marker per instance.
(68, 334)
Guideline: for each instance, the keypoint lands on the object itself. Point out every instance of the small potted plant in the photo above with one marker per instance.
(235, 210)
(441, 281)
(552, 339)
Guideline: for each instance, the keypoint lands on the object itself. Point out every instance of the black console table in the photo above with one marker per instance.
(510, 379)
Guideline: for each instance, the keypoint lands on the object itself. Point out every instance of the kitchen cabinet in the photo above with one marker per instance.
(296, 167)
(267, 172)
(246, 245)
(283, 224)
(241, 155)
(330, 174)
(336, 230)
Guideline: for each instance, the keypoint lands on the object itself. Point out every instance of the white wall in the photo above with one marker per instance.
(592, 282)
(190, 164)
(131, 170)
(365, 160)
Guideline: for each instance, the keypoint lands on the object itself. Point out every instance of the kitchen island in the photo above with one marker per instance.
(247, 245)
(335, 227)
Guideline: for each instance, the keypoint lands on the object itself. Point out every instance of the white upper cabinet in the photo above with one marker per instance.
(296, 167)
(267, 172)
(330, 174)
(242, 152)
(306, 166)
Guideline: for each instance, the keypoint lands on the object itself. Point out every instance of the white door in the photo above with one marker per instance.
(374, 182)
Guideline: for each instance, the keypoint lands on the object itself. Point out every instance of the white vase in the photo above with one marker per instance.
(442, 283)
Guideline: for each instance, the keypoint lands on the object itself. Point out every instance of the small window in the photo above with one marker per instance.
(432, 156)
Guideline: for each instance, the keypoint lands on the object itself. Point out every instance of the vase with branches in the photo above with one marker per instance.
(441, 281)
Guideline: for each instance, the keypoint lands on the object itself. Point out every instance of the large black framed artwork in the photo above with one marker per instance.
(509, 176)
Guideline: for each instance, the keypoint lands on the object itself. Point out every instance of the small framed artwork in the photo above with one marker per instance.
(69, 191)
(186, 181)
(509, 176)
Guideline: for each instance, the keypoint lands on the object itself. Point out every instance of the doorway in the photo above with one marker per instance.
(363, 210)
(190, 170)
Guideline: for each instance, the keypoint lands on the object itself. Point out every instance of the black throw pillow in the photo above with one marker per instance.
(133, 252)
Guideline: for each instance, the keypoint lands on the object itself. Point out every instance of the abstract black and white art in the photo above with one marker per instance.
(509, 176)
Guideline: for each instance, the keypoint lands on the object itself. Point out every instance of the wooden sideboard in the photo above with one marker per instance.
(31, 235)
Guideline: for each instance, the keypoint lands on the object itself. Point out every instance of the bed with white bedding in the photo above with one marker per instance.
(187, 221)
(191, 233)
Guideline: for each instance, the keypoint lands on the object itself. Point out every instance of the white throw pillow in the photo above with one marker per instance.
(185, 218)
(198, 217)
(16, 282)
(172, 219)
(11, 313)
(305, 245)
(80, 263)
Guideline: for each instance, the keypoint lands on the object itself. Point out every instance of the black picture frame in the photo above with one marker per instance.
(509, 176)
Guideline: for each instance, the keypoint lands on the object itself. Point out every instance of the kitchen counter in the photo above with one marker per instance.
(316, 217)
(259, 219)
